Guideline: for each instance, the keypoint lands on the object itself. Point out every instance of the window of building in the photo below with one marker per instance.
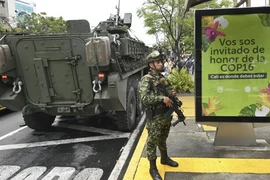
(2, 3)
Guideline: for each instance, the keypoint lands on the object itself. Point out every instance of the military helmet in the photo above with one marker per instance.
(154, 56)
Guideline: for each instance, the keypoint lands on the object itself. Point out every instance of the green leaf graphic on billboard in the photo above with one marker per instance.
(205, 43)
(249, 110)
(265, 19)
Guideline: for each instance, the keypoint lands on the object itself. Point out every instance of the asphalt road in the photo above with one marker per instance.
(72, 149)
(9, 121)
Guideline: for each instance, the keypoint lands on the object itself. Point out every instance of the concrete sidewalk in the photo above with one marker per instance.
(192, 147)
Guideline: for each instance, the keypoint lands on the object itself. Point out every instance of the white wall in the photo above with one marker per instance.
(11, 8)
(255, 3)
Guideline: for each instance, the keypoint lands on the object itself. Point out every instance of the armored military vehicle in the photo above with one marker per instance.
(81, 72)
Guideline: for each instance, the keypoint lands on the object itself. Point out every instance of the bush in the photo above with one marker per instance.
(181, 81)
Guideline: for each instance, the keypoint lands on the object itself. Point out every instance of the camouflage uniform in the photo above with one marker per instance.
(158, 127)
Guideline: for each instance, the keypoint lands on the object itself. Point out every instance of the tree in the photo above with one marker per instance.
(2, 29)
(5, 25)
(39, 23)
(168, 17)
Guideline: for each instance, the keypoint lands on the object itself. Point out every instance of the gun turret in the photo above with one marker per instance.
(114, 24)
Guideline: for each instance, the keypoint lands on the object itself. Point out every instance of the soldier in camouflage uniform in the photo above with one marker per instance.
(158, 127)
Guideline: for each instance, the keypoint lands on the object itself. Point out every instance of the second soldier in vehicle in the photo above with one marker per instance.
(156, 107)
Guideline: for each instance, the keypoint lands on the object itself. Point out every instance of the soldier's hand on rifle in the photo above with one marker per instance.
(173, 92)
(167, 101)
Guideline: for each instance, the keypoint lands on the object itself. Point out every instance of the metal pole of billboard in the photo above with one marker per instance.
(235, 134)
(240, 3)
(248, 3)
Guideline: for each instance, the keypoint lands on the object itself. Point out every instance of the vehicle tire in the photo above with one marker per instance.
(39, 121)
(127, 119)
(139, 104)
(135, 85)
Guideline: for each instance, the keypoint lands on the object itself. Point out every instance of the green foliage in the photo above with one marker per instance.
(181, 81)
(163, 45)
(168, 17)
(40, 24)
(2, 29)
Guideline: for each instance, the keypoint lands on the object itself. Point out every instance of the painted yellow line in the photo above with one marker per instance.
(188, 101)
(189, 111)
(139, 166)
(206, 165)
(134, 162)
(209, 128)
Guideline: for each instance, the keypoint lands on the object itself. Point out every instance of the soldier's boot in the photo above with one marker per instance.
(165, 159)
(154, 171)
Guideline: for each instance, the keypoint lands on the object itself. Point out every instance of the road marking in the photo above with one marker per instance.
(124, 155)
(206, 165)
(59, 173)
(89, 174)
(8, 171)
(134, 162)
(65, 141)
(206, 127)
(209, 128)
(86, 128)
(30, 173)
(12, 133)
(75, 127)
(62, 173)
(139, 166)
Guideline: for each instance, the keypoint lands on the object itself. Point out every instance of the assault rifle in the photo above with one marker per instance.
(175, 106)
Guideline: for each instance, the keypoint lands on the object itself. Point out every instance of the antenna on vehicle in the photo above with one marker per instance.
(118, 13)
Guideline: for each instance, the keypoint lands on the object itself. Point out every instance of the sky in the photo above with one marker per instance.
(259, 2)
(98, 10)
(95, 11)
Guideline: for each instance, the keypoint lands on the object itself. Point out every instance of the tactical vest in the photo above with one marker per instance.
(159, 108)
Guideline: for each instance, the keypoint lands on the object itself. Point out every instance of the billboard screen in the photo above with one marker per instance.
(233, 65)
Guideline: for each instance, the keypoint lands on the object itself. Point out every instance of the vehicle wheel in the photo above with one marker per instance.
(39, 121)
(139, 108)
(127, 119)
(139, 105)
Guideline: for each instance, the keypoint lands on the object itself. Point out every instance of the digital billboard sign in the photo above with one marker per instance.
(232, 65)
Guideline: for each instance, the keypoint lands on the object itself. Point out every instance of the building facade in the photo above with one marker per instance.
(13, 8)
(9, 9)
(24, 6)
